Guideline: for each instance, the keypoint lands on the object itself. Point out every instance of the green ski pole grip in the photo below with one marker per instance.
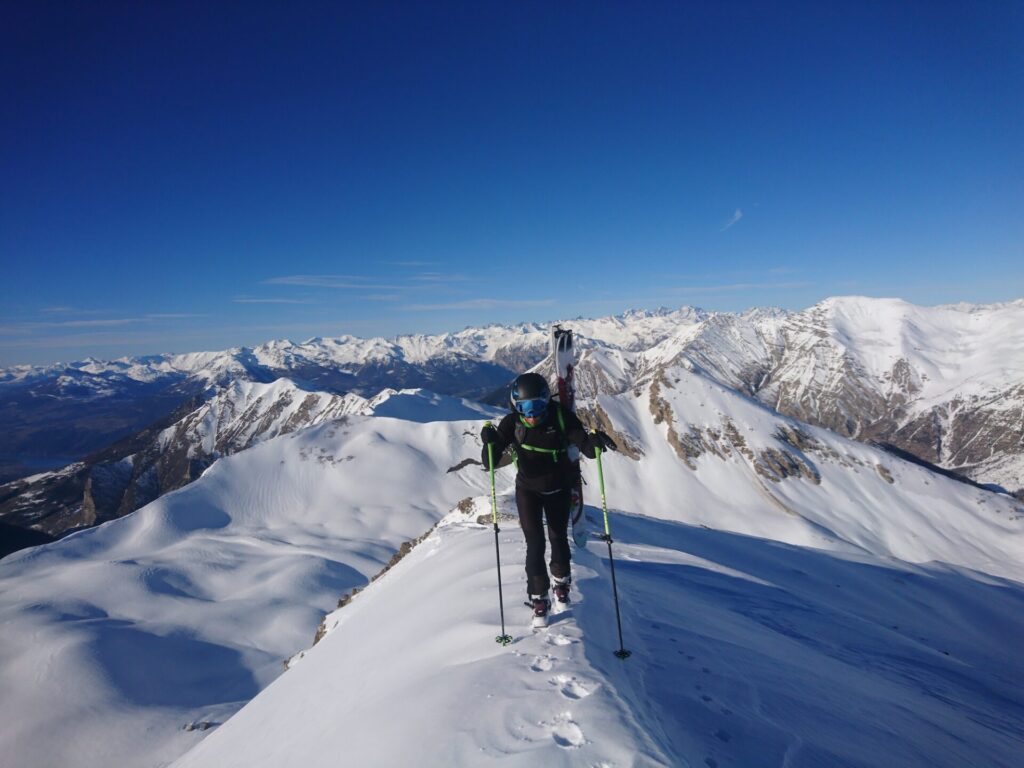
(600, 482)
(490, 461)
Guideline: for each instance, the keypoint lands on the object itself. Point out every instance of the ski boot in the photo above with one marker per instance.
(541, 605)
(561, 589)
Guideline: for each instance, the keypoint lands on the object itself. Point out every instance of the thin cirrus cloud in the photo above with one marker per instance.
(733, 221)
(412, 264)
(27, 328)
(439, 277)
(481, 304)
(349, 282)
(254, 300)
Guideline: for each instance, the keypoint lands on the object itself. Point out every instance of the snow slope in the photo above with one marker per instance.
(113, 639)
(745, 652)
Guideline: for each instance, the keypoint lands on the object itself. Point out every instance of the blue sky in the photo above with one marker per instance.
(184, 176)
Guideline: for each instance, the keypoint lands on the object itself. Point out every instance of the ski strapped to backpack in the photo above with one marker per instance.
(563, 354)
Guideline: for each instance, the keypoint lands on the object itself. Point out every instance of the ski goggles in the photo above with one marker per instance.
(534, 408)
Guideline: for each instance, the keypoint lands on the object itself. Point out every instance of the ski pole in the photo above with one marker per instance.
(622, 653)
(503, 638)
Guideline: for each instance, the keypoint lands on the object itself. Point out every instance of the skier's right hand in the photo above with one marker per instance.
(603, 441)
(488, 434)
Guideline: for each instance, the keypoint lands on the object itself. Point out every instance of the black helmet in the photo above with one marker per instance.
(530, 395)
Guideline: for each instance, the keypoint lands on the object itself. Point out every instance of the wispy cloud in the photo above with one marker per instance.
(350, 282)
(35, 327)
(106, 323)
(733, 221)
(482, 304)
(251, 300)
(439, 277)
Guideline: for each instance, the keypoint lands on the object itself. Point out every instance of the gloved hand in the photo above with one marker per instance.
(488, 434)
(599, 438)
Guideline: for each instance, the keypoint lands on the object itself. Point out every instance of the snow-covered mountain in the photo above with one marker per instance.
(790, 597)
(136, 471)
(945, 384)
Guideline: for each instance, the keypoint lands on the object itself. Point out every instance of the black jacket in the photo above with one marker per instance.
(543, 470)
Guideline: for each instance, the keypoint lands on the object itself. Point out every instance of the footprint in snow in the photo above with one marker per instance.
(560, 639)
(542, 664)
(566, 733)
(570, 687)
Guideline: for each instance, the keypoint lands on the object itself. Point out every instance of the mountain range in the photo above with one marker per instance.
(944, 385)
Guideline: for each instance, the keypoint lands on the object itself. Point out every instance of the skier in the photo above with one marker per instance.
(545, 439)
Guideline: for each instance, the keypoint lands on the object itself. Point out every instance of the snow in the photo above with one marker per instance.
(185, 609)
(245, 412)
(745, 651)
(419, 404)
(861, 612)
(962, 349)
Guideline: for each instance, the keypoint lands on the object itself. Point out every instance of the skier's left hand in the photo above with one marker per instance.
(602, 440)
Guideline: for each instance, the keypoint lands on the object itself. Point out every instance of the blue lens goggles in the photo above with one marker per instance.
(532, 409)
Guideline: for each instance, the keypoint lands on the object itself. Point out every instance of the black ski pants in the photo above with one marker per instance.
(533, 508)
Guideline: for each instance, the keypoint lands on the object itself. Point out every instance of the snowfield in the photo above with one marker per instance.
(745, 652)
(119, 636)
(790, 597)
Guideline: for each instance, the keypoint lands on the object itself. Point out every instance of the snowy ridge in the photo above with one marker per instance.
(246, 412)
(744, 652)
